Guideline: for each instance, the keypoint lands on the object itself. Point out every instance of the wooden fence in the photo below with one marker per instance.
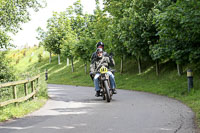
(13, 85)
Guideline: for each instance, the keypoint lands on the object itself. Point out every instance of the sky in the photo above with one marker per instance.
(27, 36)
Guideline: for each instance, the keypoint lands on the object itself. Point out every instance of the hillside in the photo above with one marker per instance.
(23, 62)
(168, 83)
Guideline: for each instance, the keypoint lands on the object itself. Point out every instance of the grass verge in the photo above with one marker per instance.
(21, 109)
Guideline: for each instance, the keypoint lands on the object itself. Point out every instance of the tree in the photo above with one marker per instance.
(6, 71)
(75, 17)
(44, 41)
(135, 20)
(117, 39)
(142, 30)
(159, 52)
(12, 14)
(68, 47)
(116, 30)
(58, 27)
(84, 49)
(178, 28)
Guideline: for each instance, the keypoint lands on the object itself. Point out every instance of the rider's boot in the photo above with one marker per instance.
(114, 91)
(97, 93)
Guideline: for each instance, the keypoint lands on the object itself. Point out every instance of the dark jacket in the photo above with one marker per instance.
(104, 61)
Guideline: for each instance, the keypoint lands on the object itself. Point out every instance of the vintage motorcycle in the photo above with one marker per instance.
(104, 84)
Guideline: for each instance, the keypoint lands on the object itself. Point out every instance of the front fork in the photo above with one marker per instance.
(106, 77)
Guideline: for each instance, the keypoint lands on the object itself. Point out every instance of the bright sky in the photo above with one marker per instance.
(28, 34)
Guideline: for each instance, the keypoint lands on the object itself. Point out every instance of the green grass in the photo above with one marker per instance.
(25, 64)
(12, 111)
(168, 83)
(61, 74)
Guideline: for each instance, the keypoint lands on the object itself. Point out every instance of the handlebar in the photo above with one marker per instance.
(111, 70)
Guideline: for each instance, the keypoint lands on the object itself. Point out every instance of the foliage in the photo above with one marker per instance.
(30, 59)
(12, 15)
(84, 47)
(4, 39)
(144, 29)
(7, 71)
(39, 57)
(178, 29)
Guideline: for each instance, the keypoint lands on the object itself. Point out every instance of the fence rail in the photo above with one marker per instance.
(34, 88)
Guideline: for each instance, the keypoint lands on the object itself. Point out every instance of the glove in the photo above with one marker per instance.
(111, 54)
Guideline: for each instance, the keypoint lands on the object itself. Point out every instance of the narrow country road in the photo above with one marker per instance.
(72, 109)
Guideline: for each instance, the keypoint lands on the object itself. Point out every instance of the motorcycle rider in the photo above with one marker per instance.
(94, 55)
(98, 45)
(97, 63)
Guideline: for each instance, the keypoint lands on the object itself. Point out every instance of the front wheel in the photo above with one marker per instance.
(107, 88)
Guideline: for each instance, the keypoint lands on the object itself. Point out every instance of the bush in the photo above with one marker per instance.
(30, 59)
(17, 61)
(6, 71)
(43, 87)
(24, 53)
(39, 57)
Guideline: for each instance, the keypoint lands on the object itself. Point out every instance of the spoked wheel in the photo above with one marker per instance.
(111, 93)
(107, 91)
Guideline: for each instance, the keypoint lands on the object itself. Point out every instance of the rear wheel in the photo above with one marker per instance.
(107, 92)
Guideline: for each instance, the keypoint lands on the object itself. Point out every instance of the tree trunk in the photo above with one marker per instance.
(72, 64)
(49, 57)
(121, 68)
(58, 59)
(157, 67)
(86, 67)
(139, 65)
(67, 61)
(179, 69)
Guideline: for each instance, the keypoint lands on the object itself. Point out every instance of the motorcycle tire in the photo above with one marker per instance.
(108, 97)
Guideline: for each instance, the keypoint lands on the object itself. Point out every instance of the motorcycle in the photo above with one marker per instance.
(104, 84)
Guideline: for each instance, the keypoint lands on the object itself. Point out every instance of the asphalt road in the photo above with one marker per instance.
(72, 109)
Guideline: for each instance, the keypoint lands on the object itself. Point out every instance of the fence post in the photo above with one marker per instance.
(46, 74)
(15, 93)
(13, 86)
(190, 79)
(37, 82)
(32, 88)
(25, 89)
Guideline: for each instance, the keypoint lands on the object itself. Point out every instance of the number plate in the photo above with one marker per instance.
(103, 69)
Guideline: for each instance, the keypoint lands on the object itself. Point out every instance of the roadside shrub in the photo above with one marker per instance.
(43, 87)
(17, 61)
(24, 53)
(30, 59)
(39, 57)
(6, 71)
